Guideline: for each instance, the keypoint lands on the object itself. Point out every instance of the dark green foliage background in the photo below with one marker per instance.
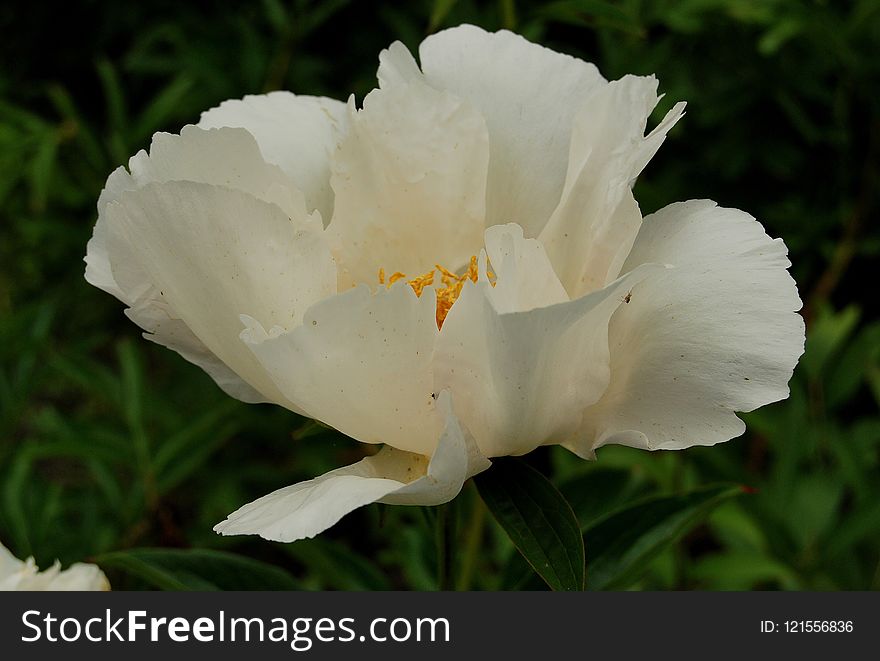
(109, 443)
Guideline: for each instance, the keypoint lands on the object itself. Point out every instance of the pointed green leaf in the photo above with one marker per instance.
(538, 520)
(197, 569)
(620, 545)
(595, 493)
(517, 575)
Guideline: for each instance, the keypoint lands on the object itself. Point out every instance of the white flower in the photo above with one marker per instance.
(18, 575)
(287, 245)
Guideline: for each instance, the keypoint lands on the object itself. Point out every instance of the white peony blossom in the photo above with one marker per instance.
(25, 575)
(457, 270)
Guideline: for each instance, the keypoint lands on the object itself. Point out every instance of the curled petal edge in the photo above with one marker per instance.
(392, 476)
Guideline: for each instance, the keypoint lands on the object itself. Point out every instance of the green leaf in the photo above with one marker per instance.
(161, 109)
(853, 529)
(737, 529)
(117, 114)
(848, 372)
(593, 14)
(538, 520)
(743, 570)
(517, 575)
(13, 501)
(184, 452)
(828, 334)
(88, 374)
(276, 15)
(197, 569)
(89, 145)
(813, 508)
(777, 36)
(42, 170)
(338, 566)
(620, 545)
(439, 11)
(596, 492)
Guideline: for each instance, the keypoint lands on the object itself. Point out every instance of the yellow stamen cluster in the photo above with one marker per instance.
(448, 293)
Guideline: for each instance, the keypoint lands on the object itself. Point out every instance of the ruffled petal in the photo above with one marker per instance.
(194, 257)
(397, 67)
(718, 333)
(98, 271)
(227, 157)
(409, 178)
(297, 133)
(593, 228)
(9, 564)
(361, 363)
(391, 476)
(79, 577)
(25, 576)
(521, 379)
(529, 96)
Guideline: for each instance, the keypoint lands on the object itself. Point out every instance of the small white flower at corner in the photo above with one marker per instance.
(457, 270)
(24, 575)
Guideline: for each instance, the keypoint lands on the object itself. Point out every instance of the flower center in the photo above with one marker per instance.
(448, 293)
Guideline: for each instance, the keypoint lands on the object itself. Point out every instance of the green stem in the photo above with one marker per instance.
(445, 533)
(473, 543)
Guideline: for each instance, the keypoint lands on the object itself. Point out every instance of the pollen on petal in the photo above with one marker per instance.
(451, 282)
(419, 283)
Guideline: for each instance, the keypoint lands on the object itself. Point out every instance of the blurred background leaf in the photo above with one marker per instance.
(195, 569)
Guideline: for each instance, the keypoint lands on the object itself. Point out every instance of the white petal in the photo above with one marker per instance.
(591, 231)
(11, 582)
(228, 157)
(198, 256)
(717, 333)
(158, 318)
(25, 576)
(9, 564)
(397, 67)
(409, 179)
(524, 276)
(523, 379)
(392, 476)
(361, 363)
(529, 96)
(79, 577)
(297, 133)
(98, 271)
(29, 578)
